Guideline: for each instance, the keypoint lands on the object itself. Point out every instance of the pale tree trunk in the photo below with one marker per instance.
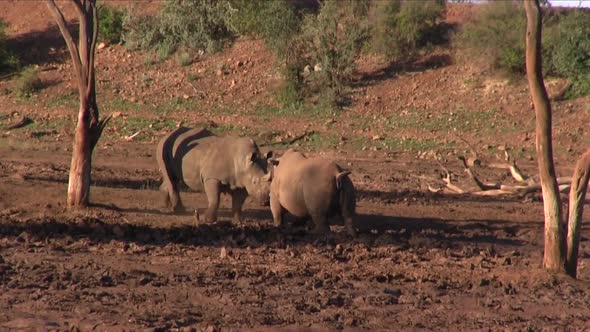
(554, 258)
(576, 209)
(81, 164)
(89, 127)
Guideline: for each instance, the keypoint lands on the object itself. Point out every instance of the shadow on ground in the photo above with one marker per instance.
(257, 230)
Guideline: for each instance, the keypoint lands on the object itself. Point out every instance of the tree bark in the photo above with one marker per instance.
(554, 258)
(80, 166)
(576, 209)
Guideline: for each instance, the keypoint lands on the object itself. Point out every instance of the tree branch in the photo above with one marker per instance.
(74, 52)
(91, 71)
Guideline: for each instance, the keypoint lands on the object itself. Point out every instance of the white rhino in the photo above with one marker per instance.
(215, 165)
(314, 187)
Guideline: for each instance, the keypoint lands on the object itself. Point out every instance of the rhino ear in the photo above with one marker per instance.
(274, 161)
(252, 157)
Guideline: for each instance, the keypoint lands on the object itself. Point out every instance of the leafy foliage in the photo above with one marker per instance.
(110, 21)
(189, 24)
(401, 28)
(498, 32)
(275, 21)
(8, 61)
(332, 41)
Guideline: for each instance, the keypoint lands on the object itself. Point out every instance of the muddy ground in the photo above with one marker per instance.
(423, 261)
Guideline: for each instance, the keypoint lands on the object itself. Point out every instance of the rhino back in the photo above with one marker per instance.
(305, 184)
(225, 159)
(173, 148)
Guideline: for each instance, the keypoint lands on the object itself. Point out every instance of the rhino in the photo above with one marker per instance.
(312, 187)
(206, 162)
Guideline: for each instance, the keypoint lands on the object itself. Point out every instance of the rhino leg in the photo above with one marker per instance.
(320, 224)
(349, 222)
(212, 192)
(171, 198)
(277, 210)
(238, 197)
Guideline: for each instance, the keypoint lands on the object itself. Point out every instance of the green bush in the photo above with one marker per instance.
(401, 28)
(8, 61)
(27, 82)
(568, 52)
(189, 24)
(110, 23)
(277, 22)
(496, 33)
(333, 40)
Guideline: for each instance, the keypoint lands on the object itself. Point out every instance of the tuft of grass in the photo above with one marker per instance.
(149, 60)
(125, 126)
(223, 129)
(27, 83)
(191, 77)
(184, 58)
(118, 104)
(174, 104)
(163, 51)
(59, 124)
(68, 100)
(405, 144)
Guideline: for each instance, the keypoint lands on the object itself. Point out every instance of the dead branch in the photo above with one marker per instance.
(526, 184)
(23, 122)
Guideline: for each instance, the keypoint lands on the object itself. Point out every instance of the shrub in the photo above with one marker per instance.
(401, 28)
(8, 61)
(568, 51)
(277, 22)
(190, 24)
(27, 82)
(110, 21)
(497, 32)
(333, 39)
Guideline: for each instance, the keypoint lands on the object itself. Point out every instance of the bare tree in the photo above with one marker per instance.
(89, 127)
(554, 257)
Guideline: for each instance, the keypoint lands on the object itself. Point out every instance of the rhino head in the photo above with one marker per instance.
(257, 176)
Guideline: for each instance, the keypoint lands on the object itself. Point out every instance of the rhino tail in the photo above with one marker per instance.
(339, 177)
(165, 159)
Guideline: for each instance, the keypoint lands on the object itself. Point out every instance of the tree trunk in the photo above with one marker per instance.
(554, 258)
(576, 199)
(79, 181)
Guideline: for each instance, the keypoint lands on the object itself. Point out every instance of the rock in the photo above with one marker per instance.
(101, 46)
(116, 115)
(306, 70)
(224, 253)
(317, 67)
(376, 138)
